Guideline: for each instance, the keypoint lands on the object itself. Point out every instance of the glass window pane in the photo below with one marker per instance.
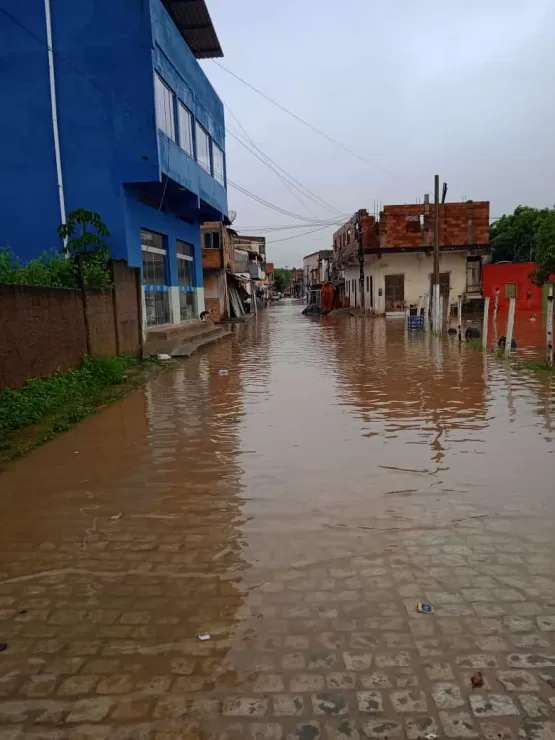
(165, 117)
(211, 240)
(185, 130)
(218, 156)
(203, 148)
(184, 248)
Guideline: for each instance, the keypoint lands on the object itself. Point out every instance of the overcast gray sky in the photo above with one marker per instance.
(463, 89)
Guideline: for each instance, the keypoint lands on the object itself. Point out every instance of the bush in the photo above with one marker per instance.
(53, 271)
(29, 405)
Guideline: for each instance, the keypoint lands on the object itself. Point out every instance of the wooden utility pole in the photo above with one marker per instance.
(358, 230)
(437, 321)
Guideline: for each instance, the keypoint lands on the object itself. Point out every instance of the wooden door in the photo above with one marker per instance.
(394, 292)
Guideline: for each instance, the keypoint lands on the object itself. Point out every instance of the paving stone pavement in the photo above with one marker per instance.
(331, 650)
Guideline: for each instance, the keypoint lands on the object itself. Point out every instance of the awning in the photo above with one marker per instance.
(195, 25)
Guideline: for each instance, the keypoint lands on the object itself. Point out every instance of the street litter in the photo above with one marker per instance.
(206, 636)
(477, 680)
(163, 357)
(422, 608)
(116, 516)
(431, 736)
(224, 372)
(234, 420)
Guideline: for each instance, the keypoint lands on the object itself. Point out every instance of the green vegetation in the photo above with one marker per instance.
(282, 277)
(527, 235)
(84, 258)
(73, 393)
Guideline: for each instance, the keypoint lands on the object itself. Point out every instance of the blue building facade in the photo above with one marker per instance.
(141, 135)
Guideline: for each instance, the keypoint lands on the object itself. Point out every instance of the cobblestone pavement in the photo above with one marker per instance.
(172, 523)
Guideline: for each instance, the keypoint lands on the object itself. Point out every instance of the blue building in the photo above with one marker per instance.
(106, 107)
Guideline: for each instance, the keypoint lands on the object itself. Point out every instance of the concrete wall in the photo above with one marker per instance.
(215, 294)
(417, 269)
(43, 329)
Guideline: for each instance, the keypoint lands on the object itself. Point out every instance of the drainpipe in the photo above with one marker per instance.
(54, 106)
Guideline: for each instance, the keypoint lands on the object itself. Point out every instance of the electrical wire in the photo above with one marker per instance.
(298, 236)
(301, 120)
(302, 188)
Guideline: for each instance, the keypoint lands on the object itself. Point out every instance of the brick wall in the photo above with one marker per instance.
(459, 223)
(42, 330)
(345, 242)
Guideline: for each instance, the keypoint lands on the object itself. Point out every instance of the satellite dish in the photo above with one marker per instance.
(232, 216)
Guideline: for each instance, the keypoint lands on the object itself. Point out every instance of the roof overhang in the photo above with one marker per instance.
(195, 25)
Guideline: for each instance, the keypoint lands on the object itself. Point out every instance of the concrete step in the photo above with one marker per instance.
(166, 340)
(193, 327)
(186, 349)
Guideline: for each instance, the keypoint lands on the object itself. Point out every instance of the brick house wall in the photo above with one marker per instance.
(459, 224)
(43, 329)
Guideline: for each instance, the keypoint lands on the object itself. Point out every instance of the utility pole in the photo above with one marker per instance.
(437, 319)
(358, 230)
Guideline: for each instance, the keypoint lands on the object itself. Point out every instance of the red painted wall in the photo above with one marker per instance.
(528, 295)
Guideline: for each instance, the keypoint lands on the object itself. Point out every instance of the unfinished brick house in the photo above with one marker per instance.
(398, 254)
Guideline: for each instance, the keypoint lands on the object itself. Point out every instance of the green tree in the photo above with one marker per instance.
(282, 277)
(84, 244)
(545, 249)
(514, 237)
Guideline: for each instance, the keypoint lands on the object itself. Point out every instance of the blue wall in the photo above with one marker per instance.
(139, 216)
(29, 208)
(105, 54)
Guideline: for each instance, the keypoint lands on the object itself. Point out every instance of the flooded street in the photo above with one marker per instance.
(240, 554)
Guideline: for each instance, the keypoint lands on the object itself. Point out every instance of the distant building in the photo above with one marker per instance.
(218, 256)
(131, 128)
(316, 272)
(398, 254)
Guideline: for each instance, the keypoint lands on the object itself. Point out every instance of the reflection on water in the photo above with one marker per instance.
(250, 505)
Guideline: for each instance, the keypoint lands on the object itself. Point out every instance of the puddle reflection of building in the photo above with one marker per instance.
(415, 383)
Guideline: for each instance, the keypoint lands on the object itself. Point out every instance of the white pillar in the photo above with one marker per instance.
(485, 325)
(175, 307)
(510, 325)
(199, 295)
(549, 327)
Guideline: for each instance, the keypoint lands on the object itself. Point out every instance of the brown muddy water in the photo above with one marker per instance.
(289, 495)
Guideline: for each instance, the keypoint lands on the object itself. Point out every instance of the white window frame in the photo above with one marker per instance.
(184, 114)
(165, 107)
(199, 131)
(218, 176)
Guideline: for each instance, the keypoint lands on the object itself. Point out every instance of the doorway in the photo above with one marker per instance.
(394, 292)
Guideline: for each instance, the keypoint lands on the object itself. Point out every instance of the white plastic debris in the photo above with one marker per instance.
(116, 516)
(163, 356)
(224, 372)
(204, 637)
(431, 736)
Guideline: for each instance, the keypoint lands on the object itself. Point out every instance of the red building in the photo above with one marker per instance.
(513, 280)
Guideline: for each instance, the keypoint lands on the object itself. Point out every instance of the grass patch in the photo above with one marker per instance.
(45, 407)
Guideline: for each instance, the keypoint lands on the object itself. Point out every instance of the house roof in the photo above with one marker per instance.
(195, 25)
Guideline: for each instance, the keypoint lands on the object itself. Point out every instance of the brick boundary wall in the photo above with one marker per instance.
(43, 330)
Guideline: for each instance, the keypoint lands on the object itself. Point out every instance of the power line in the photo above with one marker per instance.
(298, 236)
(283, 180)
(302, 188)
(266, 203)
(301, 120)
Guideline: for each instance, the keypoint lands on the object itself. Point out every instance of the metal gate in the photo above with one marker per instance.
(394, 292)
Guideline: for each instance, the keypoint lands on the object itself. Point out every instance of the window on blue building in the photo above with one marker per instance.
(185, 278)
(165, 108)
(155, 278)
(185, 129)
(218, 158)
(203, 148)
